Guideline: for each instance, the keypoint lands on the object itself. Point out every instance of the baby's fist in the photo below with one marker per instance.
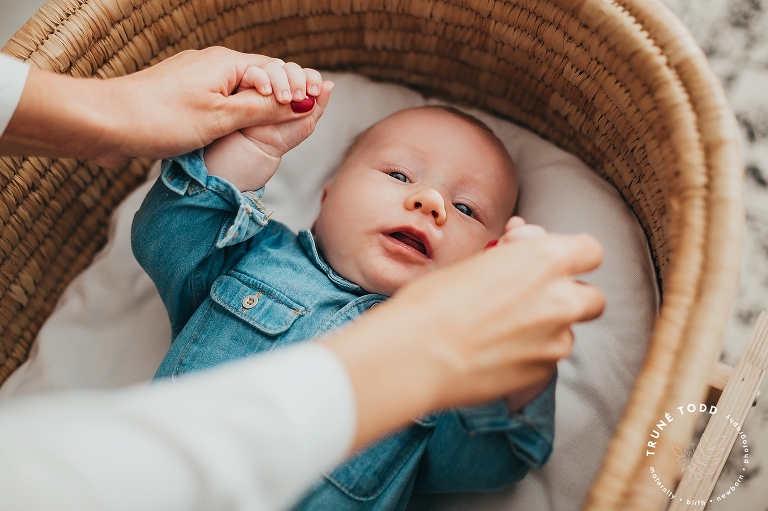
(278, 138)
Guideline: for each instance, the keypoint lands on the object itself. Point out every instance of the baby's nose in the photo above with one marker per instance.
(429, 202)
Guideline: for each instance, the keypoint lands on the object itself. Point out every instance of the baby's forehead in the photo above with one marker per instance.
(443, 141)
(417, 127)
(417, 116)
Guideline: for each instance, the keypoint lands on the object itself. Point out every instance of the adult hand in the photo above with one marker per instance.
(180, 104)
(248, 158)
(517, 228)
(487, 326)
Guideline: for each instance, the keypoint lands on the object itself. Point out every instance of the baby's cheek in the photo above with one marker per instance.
(459, 251)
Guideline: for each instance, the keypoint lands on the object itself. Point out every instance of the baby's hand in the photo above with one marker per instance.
(277, 139)
(248, 158)
(287, 81)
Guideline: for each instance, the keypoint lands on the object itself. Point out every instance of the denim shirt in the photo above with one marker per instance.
(235, 283)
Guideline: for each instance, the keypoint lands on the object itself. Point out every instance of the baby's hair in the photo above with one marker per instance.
(446, 108)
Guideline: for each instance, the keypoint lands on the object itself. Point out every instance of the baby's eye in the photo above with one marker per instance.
(464, 209)
(399, 176)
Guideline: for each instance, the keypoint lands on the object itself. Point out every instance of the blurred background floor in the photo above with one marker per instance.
(734, 35)
(13, 14)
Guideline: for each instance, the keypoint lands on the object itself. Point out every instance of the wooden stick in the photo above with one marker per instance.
(739, 393)
(720, 376)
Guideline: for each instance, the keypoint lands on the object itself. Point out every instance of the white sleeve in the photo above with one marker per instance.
(252, 435)
(13, 76)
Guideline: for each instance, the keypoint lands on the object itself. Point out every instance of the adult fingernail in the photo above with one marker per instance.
(491, 244)
(285, 95)
(314, 90)
(305, 105)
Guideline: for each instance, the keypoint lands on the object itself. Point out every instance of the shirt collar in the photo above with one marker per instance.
(307, 242)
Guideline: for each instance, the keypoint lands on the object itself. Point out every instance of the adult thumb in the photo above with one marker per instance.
(249, 108)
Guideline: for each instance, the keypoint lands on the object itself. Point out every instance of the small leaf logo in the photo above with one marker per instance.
(703, 460)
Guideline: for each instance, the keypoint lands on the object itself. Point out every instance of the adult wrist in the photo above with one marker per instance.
(393, 378)
(42, 127)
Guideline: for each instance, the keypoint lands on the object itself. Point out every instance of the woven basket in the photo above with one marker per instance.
(620, 84)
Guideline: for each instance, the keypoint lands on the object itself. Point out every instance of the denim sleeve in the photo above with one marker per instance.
(190, 229)
(486, 448)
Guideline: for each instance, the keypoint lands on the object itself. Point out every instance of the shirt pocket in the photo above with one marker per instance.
(255, 304)
(244, 317)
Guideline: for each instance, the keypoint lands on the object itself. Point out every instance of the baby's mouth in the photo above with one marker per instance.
(409, 240)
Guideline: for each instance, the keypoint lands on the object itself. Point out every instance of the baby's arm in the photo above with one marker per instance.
(193, 225)
(486, 447)
(248, 158)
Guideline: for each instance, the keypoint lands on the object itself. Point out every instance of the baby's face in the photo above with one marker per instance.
(422, 189)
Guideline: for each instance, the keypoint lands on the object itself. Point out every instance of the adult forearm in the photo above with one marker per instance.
(60, 116)
(392, 382)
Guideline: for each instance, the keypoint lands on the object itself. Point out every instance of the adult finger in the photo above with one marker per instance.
(321, 101)
(297, 80)
(525, 231)
(590, 299)
(557, 346)
(566, 301)
(514, 222)
(575, 253)
(249, 108)
(220, 54)
(246, 59)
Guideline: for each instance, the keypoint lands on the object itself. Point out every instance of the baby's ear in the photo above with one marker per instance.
(325, 192)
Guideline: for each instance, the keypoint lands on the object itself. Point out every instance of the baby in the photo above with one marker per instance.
(421, 189)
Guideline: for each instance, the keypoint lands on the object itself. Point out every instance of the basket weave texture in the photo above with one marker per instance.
(620, 83)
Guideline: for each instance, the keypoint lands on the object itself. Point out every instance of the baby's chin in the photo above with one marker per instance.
(387, 283)
(384, 286)
(386, 275)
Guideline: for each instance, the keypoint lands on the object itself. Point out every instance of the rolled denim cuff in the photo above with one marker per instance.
(188, 175)
(531, 431)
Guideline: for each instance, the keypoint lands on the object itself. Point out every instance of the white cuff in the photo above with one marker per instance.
(13, 76)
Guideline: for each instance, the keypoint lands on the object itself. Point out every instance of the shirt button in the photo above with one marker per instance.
(250, 301)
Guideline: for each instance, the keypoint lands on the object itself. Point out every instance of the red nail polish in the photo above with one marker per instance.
(305, 105)
(491, 244)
